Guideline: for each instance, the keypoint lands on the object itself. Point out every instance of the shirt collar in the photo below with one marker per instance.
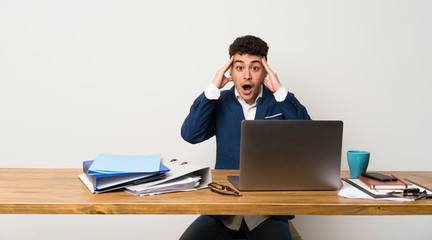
(237, 95)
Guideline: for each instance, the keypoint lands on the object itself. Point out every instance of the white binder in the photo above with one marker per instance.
(179, 170)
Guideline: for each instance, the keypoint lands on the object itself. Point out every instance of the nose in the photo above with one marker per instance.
(247, 75)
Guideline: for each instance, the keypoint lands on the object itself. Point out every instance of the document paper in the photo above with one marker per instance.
(184, 183)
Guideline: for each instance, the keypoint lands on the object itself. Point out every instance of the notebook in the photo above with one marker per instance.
(289, 155)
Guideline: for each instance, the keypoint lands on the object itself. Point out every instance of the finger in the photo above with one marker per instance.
(265, 64)
(228, 64)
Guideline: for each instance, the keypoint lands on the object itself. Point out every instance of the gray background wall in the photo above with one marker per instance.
(80, 78)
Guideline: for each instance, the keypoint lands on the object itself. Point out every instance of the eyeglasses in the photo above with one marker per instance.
(410, 193)
(223, 189)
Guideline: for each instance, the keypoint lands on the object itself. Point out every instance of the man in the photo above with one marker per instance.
(257, 94)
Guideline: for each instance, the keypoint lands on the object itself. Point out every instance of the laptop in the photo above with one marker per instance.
(289, 155)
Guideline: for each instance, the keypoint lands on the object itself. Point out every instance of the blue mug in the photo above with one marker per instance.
(358, 162)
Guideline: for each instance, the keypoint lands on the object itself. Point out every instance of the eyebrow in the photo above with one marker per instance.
(241, 61)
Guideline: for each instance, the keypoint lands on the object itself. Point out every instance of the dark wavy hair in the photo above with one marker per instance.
(249, 45)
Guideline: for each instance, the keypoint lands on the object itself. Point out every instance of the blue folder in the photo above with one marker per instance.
(122, 164)
(104, 181)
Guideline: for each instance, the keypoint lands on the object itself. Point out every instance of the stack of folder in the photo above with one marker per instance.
(110, 172)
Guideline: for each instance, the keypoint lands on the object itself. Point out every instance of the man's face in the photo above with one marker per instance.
(248, 75)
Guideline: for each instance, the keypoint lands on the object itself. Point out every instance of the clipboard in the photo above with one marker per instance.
(383, 193)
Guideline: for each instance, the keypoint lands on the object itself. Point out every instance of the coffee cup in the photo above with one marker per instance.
(358, 162)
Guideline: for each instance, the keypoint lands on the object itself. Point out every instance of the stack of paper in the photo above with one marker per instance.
(184, 176)
(184, 183)
(109, 172)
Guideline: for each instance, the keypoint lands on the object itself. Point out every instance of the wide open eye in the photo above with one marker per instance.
(239, 68)
(255, 68)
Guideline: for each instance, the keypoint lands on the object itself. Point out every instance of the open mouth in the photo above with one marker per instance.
(247, 89)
